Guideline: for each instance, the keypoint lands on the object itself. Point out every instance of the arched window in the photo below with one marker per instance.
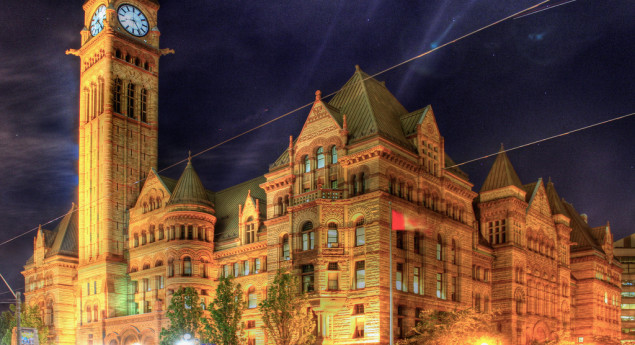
(332, 236)
(146, 266)
(279, 211)
(95, 313)
(320, 157)
(159, 263)
(354, 185)
(360, 232)
(362, 183)
(252, 298)
(333, 154)
(308, 236)
(116, 96)
(187, 266)
(307, 164)
(131, 101)
(136, 240)
(161, 232)
(144, 105)
(118, 54)
(50, 313)
(171, 268)
(285, 247)
(439, 247)
(143, 238)
(89, 314)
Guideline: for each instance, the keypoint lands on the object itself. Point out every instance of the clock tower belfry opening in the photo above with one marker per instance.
(118, 131)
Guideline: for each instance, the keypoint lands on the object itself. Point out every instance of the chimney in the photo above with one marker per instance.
(585, 218)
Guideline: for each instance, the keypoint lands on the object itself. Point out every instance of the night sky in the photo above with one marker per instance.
(241, 63)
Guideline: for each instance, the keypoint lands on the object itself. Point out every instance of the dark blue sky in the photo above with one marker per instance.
(241, 63)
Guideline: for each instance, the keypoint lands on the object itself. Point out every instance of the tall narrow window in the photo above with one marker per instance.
(332, 236)
(320, 157)
(354, 184)
(333, 277)
(144, 105)
(497, 231)
(116, 96)
(252, 298)
(246, 267)
(333, 154)
(400, 239)
(285, 247)
(417, 243)
(359, 327)
(236, 269)
(360, 232)
(360, 274)
(131, 101)
(100, 97)
(454, 252)
(308, 236)
(416, 283)
(250, 231)
(307, 278)
(399, 285)
(454, 292)
(187, 266)
(440, 289)
(257, 265)
(362, 183)
(439, 248)
(307, 164)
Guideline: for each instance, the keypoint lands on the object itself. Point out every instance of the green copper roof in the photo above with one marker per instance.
(227, 202)
(581, 233)
(370, 109)
(189, 189)
(66, 235)
(410, 121)
(502, 174)
(554, 199)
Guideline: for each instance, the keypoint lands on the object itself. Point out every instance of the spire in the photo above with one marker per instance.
(189, 189)
(502, 174)
(318, 95)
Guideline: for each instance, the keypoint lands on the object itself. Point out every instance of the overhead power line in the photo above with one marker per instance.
(515, 15)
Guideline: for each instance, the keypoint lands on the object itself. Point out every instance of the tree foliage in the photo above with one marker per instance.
(560, 338)
(184, 313)
(225, 326)
(285, 312)
(458, 327)
(30, 317)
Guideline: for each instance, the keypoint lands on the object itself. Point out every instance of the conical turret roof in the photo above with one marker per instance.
(502, 174)
(189, 189)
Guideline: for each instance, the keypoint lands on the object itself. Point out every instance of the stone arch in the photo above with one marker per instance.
(540, 332)
(112, 338)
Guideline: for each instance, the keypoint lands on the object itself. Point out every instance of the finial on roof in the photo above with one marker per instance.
(318, 95)
(344, 124)
(357, 68)
(189, 156)
(502, 147)
(291, 141)
(248, 193)
(550, 180)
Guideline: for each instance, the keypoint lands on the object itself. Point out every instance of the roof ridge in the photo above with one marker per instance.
(189, 189)
(502, 174)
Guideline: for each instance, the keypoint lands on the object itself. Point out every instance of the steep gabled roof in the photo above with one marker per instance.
(554, 199)
(502, 174)
(189, 189)
(66, 235)
(410, 121)
(581, 233)
(370, 109)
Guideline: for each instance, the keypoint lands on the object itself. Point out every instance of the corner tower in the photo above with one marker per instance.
(118, 126)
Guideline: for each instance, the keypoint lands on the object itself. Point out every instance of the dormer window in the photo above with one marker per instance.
(250, 231)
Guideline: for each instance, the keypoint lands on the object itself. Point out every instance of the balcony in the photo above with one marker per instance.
(332, 194)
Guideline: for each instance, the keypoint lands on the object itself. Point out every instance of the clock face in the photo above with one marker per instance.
(97, 23)
(133, 20)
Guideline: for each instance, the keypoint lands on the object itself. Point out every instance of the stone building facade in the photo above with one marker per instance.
(322, 211)
(624, 251)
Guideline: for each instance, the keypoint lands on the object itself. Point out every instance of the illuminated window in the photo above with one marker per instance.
(333, 154)
(399, 284)
(285, 247)
(360, 274)
(332, 235)
(359, 327)
(320, 157)
(246, 267)
(439, 248)
(360, 233)
(307, 278)
(307, 164)
(252, 298)
(187, 266)
(257, 266)
(226, 271)
(236, 269)
(440, 289)
(250, 231)
(333, 281)
(308, 236)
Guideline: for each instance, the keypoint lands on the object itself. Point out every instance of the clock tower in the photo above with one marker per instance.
(118, 127)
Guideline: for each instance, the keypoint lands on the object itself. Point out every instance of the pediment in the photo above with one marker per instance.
(154, 189)
(322, 122)
(428, 125)
(539, 202)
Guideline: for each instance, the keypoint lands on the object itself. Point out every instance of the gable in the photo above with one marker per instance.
(153, 191)
(321, 125)
(428, 125)
(539, 202)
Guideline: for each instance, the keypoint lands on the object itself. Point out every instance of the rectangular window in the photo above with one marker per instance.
(308, 240)
(360, 236)
(333, 283)
(358, 309)
(226, 271)
(148, 307)
(307, 278)
(161, 282)
(236, 269)
(95, 287)
(399, 277)
(257, 266)
(417, 243)
(246, 267)
(360, 274)
(251, 324)
(454, 292)
(415, 280)
(332, 238)
(400, 239)
(88, 288)
(440, 290)
(359, 328)
(477, 302)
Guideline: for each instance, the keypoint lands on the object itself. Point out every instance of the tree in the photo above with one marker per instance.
(225, 326)
(285, 312)
(30, 317)
(184, 313)
(561, 338)
(460, 327)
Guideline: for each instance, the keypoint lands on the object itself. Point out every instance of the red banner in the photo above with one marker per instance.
(401, 221)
